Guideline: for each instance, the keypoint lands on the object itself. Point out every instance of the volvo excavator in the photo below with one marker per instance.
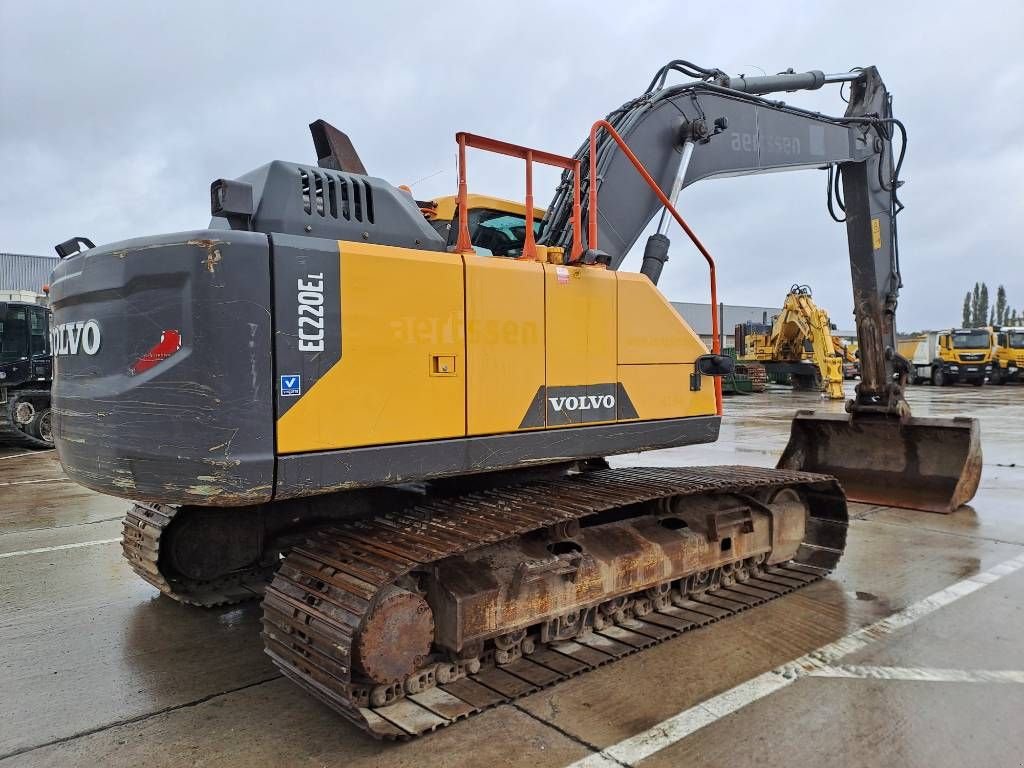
(799, 342)
(396, 432)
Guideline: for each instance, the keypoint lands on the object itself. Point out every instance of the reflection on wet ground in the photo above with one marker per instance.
(97, 669)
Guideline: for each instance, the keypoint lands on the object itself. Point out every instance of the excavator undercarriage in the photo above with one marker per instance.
(406, 620)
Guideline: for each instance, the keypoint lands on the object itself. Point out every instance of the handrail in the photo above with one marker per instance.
(464, 244)
(716, 346)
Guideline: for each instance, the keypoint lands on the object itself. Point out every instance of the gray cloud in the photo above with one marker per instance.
(114, 118)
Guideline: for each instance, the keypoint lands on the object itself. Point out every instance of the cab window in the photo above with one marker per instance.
(971, 340)
(38, 325)
(495, 233)
(14, 334)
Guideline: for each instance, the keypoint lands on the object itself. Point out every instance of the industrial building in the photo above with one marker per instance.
(23, 272)
(698, 317)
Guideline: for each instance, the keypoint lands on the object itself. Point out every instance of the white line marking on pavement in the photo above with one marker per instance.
(636, 748)
(40, 550)
(920, 674)
(27, 453)
(31, 482)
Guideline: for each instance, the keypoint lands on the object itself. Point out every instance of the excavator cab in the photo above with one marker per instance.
(497, 227)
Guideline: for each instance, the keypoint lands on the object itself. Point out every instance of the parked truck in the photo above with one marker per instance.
(26, 368)
(1007, 355)
(949, 357)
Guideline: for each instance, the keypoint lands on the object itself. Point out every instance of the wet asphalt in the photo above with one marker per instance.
(96, 668)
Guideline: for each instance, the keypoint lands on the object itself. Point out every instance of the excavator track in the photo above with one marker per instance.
(141, 532)
(321, 611)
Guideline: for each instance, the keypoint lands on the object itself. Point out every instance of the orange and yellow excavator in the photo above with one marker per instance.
(393, 424)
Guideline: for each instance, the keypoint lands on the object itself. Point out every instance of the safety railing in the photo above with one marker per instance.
(716, 346)
(464, 244)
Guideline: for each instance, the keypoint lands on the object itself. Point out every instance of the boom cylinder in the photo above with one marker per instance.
(788, 81)
(655, 256)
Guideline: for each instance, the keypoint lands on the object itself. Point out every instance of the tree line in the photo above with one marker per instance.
(977, 313)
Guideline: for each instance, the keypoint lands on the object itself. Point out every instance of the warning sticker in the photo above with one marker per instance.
(562, 275)
(876, 234)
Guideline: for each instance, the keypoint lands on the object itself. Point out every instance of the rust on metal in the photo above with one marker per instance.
(587, 569)
(395, 637)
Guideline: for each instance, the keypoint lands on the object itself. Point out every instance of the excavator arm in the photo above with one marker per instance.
(720, 126)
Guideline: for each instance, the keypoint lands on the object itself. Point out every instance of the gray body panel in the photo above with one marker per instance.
(300, 199)
(300, 262)
(197, 427)
(321, 472)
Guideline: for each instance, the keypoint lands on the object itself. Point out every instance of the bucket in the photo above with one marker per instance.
(915, 463)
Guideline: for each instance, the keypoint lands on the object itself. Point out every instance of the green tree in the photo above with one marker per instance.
(967, 311)
(1001, 308)
(975, 305)
(982, 307)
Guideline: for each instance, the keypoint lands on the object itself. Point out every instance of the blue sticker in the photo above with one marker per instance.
(291, 385)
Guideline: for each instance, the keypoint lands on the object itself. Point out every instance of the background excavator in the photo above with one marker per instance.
(799, 342)
(405, 437)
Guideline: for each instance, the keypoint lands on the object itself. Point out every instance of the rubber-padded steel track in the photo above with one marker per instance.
(324, 589)
(140, 541)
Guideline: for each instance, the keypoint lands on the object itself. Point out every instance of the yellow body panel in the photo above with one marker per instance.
(650, 330)
(580, 324)
(402, 312)
(439, 345)
(505, 341)
(663, 391)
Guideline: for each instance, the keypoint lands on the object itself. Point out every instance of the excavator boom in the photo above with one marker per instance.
(719, 126)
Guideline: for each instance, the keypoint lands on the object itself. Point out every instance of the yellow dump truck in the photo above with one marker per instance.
(1007, 355)
(949, 357)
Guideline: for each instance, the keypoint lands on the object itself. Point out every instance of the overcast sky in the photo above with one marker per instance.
(115, 117)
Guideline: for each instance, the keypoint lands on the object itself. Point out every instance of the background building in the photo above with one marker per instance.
(698, 316)
(20, 272)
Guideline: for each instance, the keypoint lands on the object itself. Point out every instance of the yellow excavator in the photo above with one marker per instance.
(391, 419)
(799, 343)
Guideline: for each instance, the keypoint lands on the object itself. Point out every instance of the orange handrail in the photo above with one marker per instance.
(464, 244)
(716, 346)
